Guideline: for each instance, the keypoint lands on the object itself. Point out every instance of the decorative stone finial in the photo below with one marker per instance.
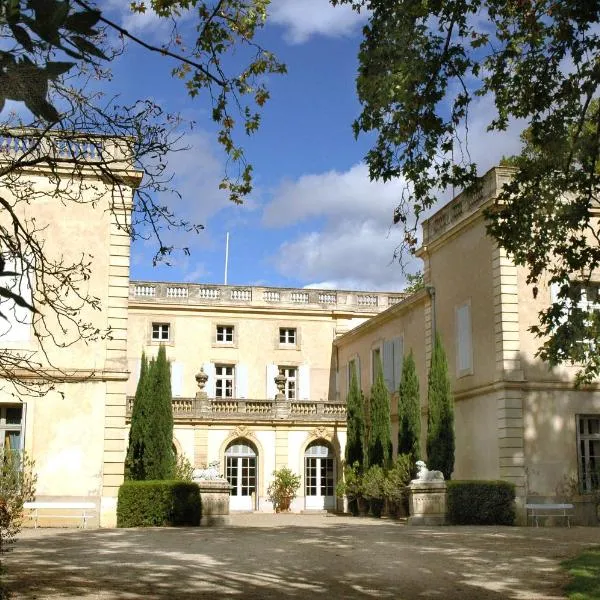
(201, 379)
(280, 380)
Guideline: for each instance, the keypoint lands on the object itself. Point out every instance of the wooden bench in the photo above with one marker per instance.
(535, 511)
(70, 510)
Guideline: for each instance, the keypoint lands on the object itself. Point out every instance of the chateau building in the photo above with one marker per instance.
(515, 419)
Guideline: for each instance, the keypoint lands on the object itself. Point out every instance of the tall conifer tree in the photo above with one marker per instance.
(134, 462)
(409, 411)
(159, 458)
(440, 419)
(355, 422)
(379, 448)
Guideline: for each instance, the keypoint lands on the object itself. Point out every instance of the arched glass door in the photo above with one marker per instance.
(240, 470)
(319, 476)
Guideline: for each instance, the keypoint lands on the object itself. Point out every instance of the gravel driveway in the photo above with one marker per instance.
(295, 556)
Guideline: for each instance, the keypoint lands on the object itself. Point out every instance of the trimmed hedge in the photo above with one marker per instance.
(158, 504)
(481, 502)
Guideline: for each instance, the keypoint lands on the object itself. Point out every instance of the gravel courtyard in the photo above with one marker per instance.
(295, 556)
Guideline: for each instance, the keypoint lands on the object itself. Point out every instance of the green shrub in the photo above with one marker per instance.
(158, 504)
(481, 502)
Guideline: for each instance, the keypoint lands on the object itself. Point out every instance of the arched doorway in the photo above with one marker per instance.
(240, 470)
(319, 476)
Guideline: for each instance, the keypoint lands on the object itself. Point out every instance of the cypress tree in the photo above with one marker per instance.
(409, 411)
(379, 448)
(355, 422)
(159, 459)
(134, 462)
(440, 419)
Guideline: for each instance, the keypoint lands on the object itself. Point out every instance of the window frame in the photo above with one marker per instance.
(286, 343)
(586, 484)
(226, 329)
(160, 325)
(287, 390)
(12, 427)
(223, 379)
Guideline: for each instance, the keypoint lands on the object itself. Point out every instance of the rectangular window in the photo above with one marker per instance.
(224, 381)
(225, 334)
(291, 382)
(11, 426)
(588, 434)
(393, 354)
(161, 332)
(287, 335)
(464, 340)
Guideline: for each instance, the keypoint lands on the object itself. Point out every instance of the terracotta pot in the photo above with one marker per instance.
(283, 505)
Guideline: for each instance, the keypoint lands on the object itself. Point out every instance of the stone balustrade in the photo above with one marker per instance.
(67, 147)
(203, 294)
(206, 409)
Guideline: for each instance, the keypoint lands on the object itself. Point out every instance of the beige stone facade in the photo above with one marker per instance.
(514, 418)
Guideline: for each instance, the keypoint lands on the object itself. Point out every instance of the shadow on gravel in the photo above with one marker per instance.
(346, 561)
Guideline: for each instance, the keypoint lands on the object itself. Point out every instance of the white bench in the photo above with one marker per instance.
(535, 511)
(70, 510)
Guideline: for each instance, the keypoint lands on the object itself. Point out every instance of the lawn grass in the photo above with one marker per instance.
(585, 575)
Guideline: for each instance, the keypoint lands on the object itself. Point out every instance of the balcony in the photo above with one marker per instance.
(252, 411)
(261, 297)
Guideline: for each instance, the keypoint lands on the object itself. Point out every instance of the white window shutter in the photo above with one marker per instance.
(304, 382)
(388, 364)
(272, 371)
(176, 379)
(209, 369)
(241, 382)
(398, 344)
(465, 350)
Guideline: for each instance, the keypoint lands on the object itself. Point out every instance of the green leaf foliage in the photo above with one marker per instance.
(481, 502)
(440, 414)
(158, 504)
(138, 432)
(379, 443)
(422, 65)
(409, 411)
(355, 423)
(159, 458)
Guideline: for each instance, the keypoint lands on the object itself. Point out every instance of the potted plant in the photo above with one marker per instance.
(394, 489)
(283, 488)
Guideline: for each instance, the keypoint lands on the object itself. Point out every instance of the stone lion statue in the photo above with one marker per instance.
(424, 474)
(210, 472)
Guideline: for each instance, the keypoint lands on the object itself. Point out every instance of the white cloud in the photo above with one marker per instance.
(305, 18)
(354, 247)
(335, 195)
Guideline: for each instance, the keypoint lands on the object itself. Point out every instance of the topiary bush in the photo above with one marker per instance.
(481, 502)
(164, 503)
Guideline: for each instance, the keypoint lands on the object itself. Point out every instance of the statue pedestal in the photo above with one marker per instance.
(214, 494)
(427, 502)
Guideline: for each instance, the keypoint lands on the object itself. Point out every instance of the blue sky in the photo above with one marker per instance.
(314, 218)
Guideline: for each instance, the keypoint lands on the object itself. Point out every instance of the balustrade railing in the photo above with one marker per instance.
(230, 408)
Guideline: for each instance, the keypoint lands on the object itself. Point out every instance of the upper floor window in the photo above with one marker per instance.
(376, 363)
(588, 437)
(291, 382)
(161, 332)
(225, 334)
(224, 381)
(287, 335)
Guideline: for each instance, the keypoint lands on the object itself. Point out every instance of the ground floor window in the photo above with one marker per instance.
(588, 433)
(11, 426)
(240, 471)
(319, 476)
